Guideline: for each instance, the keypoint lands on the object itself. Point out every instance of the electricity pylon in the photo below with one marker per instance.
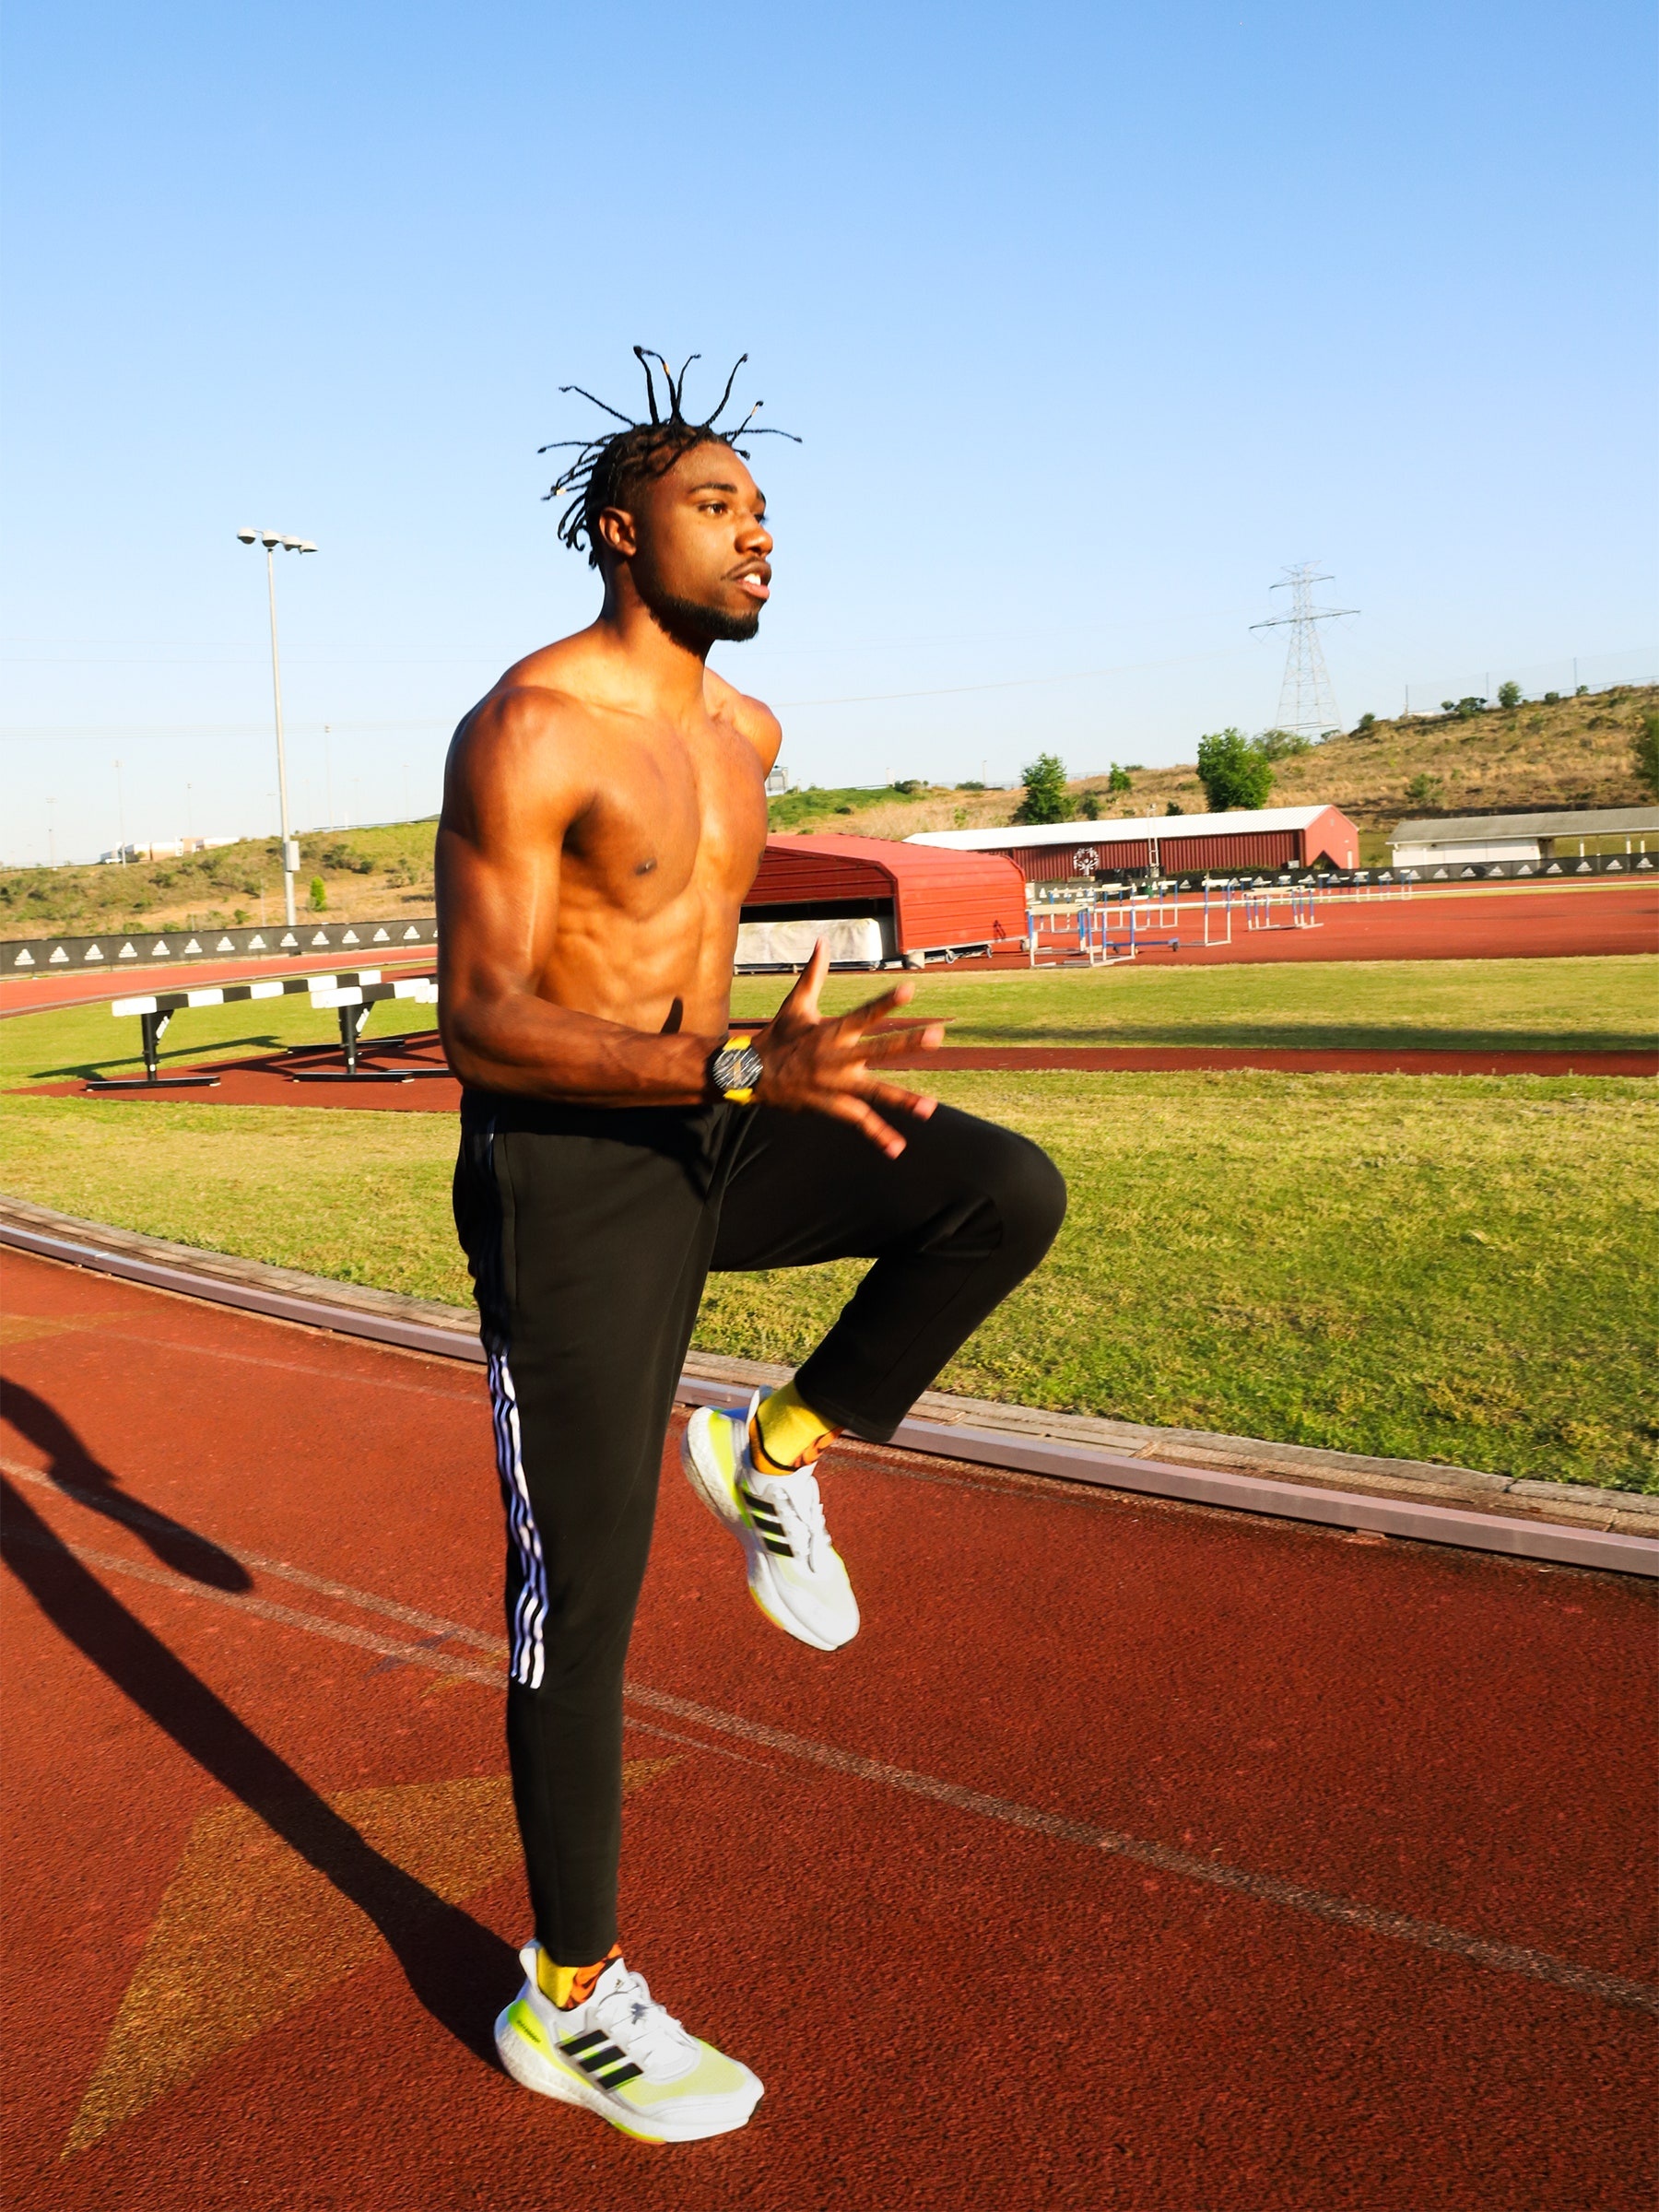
(1307, 703)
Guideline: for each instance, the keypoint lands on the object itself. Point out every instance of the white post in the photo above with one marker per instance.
(282, 796)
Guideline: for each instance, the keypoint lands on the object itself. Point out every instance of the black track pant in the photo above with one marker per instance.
(589, 1232)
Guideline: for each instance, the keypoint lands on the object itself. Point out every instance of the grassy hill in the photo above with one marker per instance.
(366, 875)
(1570, 752)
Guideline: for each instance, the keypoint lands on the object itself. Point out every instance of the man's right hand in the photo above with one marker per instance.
(814, 1064)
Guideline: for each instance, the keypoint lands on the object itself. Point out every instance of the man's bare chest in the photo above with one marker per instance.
(670, 819)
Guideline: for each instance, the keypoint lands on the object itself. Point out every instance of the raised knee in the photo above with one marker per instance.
(1028, 1192)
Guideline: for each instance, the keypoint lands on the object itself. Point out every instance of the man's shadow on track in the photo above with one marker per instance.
(449, 1958)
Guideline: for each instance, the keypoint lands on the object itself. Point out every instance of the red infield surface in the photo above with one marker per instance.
(1135, 1856)
(266, 1081)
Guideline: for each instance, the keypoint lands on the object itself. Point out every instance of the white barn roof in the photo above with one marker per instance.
(1241, 821)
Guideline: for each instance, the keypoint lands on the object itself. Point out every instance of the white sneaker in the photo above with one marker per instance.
(622, 2056)
(795, 1574)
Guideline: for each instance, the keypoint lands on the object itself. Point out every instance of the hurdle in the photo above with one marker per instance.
(1296, 899)
(1226, 906)
(1063, 932)
(156, 1010)
(354, 1002)
(1115, 951)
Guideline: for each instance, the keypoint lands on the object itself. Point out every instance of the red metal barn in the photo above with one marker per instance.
(875, 899)
(1240, 843)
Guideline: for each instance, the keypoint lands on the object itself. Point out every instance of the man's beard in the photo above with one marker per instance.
(694, 626)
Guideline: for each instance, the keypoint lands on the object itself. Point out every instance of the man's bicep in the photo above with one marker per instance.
(513, 790)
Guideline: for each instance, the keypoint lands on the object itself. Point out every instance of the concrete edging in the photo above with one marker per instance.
(413, 1324)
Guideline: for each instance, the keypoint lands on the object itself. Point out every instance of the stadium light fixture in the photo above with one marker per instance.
(271, 540)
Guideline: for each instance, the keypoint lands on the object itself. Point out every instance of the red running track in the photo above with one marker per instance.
(1135, 1854)
(267, 1081)
(1510, 925)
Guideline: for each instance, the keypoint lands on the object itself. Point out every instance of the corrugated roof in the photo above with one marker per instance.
(1126, 826)
(1475, 828)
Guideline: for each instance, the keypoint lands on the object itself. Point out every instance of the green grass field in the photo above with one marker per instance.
(1456, 1269)
(1609, 1005)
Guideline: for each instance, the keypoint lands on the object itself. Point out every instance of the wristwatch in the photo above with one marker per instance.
(735, 1070)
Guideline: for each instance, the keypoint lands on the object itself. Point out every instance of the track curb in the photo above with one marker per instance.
(1001, 1441)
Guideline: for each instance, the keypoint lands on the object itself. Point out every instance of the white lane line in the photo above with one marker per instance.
(262, 1608)
(137, 1516)
(1478, 1951)
(1401, 1927)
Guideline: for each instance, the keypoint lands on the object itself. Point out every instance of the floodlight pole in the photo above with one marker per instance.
(271, 539)
(282, 798)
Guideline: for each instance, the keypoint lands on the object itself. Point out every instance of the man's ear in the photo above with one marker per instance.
(616, 526)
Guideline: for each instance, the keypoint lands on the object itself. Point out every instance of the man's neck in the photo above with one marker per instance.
(668, 669)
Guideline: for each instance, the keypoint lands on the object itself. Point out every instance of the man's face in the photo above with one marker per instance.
(700, 547)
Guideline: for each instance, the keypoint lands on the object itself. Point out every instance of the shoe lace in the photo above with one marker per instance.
(801, 1510)
(652, 2037)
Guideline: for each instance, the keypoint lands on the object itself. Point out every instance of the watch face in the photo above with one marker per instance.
(738, 1067)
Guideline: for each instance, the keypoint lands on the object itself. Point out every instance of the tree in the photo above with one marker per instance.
(1508, 694)
(1281, 744)
(1644, 752)
(1465, 709)
(1233, 771)
(1119, 779)
(1088, 805)
(1046, 799)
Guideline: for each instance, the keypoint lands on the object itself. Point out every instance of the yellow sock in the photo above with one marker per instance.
(569, 1986)
(787, 1433)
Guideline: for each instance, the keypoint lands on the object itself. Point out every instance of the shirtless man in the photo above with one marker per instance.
(604, 815)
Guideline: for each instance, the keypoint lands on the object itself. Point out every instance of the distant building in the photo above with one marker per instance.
(171, 849)
(1246, 841)
(778, 782)
(1460, 839)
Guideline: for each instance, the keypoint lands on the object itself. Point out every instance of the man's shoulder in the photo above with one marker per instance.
(549, 694)
(751, 718)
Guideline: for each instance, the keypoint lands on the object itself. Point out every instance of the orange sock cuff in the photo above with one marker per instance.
(569, 1986)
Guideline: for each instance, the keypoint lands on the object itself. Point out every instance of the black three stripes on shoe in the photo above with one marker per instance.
(579, 2048)
(767, 1524)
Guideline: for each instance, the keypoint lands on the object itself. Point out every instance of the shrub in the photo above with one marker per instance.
(1045, 795)
(1552, 699)
(1644, 752)
(1508, 694)
(1174, 808)
(319, 894)
(1282, 745)
(971, 786)
(342, 856)
(907, 786)
(1119, 779)
(1365, 723)
(1234, 771)
(1424, 790)
(1465, 709)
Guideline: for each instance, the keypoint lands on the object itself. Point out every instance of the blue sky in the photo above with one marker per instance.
(1092, 319)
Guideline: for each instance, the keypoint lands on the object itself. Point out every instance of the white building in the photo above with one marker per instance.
(1464, 838)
